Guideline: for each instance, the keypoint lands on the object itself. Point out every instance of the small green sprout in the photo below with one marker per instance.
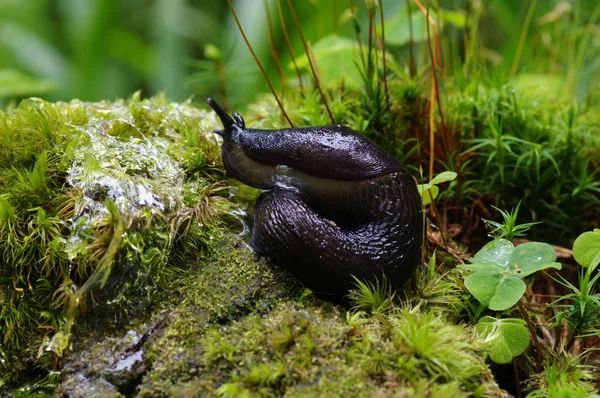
(506, 338)
(498, 269)
(431, 190)
(508, 229)
(583, 313)
(373, 297)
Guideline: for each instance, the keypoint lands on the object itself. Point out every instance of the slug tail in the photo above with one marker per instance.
(226, 120)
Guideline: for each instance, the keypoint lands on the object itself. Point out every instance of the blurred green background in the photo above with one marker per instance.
(105, 49)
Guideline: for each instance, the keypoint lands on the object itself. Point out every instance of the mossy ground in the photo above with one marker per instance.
(242, 327)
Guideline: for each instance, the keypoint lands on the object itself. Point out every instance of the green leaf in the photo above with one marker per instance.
(497, 251)
(498, 268)
(587, 248)
(532, 257)
(14, 83)
(456, 18)
(335, 57)
(483, 267)
(428, 192)
(397, 28)
(7, 212)
(443, 177)
(498, 291)
(507, 338)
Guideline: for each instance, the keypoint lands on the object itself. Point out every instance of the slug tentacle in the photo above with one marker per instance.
(337, 205)
(226, 120)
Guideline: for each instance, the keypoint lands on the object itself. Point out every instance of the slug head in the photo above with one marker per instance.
(228, 122)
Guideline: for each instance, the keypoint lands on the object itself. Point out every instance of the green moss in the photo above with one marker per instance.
(101, 205)
(241, 330)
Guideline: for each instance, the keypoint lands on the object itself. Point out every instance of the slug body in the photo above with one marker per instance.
(336, 204)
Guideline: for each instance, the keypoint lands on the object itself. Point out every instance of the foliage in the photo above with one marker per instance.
(564, 377)
(506, 338)
(586, 249)
(373, 297)
(507, 107)
(508, 229)
(430, 190)
(583, 312)
(280, 344)
(498, 269)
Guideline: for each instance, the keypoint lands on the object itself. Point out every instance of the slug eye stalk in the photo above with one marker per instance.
(226, 120)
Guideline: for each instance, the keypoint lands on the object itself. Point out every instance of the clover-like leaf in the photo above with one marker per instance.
(499, 267)
(586, 248)
(430, 190)
(531, 257)
(498, 291)
(507, 338)
(484, 267)
(497, 251)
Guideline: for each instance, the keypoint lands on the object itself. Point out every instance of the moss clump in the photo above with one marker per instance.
(267, 340)
(240, 328)
(101, 205)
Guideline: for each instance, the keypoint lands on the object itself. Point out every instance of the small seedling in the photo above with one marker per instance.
(509, 229)
(374, 297)
(498, 269)
(431, 190)
(583, 314)
(506, 338)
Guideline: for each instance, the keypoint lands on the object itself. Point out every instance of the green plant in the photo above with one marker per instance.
(430, 190)
(508, 229)
(100, 208)
(504, 338)
(564, 377)
(583, 312)
(374, 297)
(499, 267)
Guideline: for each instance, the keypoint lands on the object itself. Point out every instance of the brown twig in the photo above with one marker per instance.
(272, 44)
(237, 21)
(310, 61)
(289, 45)
(385, 84)
(538, 347)
(435, 80)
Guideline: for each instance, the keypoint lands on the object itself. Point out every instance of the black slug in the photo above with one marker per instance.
(336, 204)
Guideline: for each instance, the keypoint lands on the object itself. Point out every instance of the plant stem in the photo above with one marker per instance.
(289, 45)
(237, 21)
(538, 347)
(522, 36)
(358, 39)
(310, 61)
(272, 44)
(385, 84)
(411, 45)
